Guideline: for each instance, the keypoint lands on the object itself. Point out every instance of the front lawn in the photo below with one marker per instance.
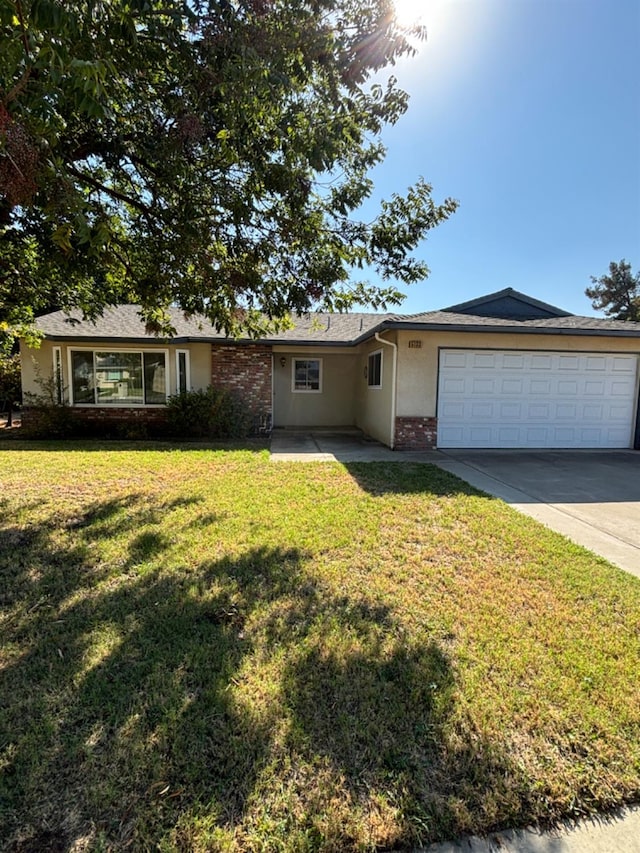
(205, 651)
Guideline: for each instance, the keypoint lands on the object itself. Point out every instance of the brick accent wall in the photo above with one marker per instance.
(106, 421)
(247, 371)
(115, 414)
(416, 433)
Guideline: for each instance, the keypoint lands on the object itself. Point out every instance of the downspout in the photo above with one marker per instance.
(394, 347)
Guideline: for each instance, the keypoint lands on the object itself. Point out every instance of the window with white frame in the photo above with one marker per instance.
(118, 378)
(183, 371)
(374, 369)
(306, 375)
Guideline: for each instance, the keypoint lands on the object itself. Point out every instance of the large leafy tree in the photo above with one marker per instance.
(212, 155)
(618, 293)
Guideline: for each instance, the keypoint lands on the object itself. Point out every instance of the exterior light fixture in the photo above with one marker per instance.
(283, 361)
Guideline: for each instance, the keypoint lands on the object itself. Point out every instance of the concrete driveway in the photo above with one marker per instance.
(593, 497)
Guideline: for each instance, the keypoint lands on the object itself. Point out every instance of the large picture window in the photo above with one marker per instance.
(307, 374)
(111, 378)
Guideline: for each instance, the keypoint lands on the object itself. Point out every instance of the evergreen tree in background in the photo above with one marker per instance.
(618, 293)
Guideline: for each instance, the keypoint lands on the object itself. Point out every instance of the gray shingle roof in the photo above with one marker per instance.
(571, 321)
(124, 323)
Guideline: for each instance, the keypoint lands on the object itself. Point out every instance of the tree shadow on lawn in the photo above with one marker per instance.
(384, 478)
(134, 708)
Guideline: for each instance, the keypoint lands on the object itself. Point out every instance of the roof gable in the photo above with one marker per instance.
(508, 304)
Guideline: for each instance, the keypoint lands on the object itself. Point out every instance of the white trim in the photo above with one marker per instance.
(295, 390)
(370, 356)
(95, 349)
(187, 365)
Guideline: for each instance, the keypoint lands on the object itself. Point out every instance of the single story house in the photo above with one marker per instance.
(504, 370)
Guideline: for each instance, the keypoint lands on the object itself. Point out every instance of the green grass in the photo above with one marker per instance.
(203, 650)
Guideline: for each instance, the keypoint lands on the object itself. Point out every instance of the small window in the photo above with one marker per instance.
(307, 374)
(183, 371)
(57, 375)
(374, 370)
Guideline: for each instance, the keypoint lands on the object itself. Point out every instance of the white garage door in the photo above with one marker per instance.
(491, 398)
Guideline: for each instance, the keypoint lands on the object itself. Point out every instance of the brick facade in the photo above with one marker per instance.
(106, 421)
(246, 370)
(416, 433)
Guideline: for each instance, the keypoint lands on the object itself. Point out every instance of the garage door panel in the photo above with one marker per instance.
(482, 411)
(540, 362)
(614, 412)
(567, 388)
(510, 410)
(540, 386)
(595, 412)
(453, 386)
(618, 388)
(484, 360)
(568, 362)
(529, 399)
(623, 364)
(453, 359)
(512, 361)
(512, 386)
(565, 411)
(596, 362)
(454, 410)
(483, 386)
(536, 411)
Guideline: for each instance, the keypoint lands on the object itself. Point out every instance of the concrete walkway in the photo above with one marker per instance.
(616, 834)
(337, 446)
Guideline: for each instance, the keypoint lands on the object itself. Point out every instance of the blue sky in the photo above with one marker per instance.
(527, 112)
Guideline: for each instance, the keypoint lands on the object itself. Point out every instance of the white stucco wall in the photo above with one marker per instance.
(418, 368)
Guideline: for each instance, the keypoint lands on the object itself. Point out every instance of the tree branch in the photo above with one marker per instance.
(110, 191)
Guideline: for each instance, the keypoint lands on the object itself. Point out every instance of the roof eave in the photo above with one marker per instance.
(519, 329)
(191, 339)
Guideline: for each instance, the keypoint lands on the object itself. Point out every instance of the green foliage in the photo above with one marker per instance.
(210, 413)
(45, 416)
(618, 293)
(10, 382)
(210, 154)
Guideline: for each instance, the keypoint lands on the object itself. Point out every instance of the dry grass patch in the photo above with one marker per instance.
(205, 651)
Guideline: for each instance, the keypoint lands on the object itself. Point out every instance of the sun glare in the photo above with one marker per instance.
(409, 12)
